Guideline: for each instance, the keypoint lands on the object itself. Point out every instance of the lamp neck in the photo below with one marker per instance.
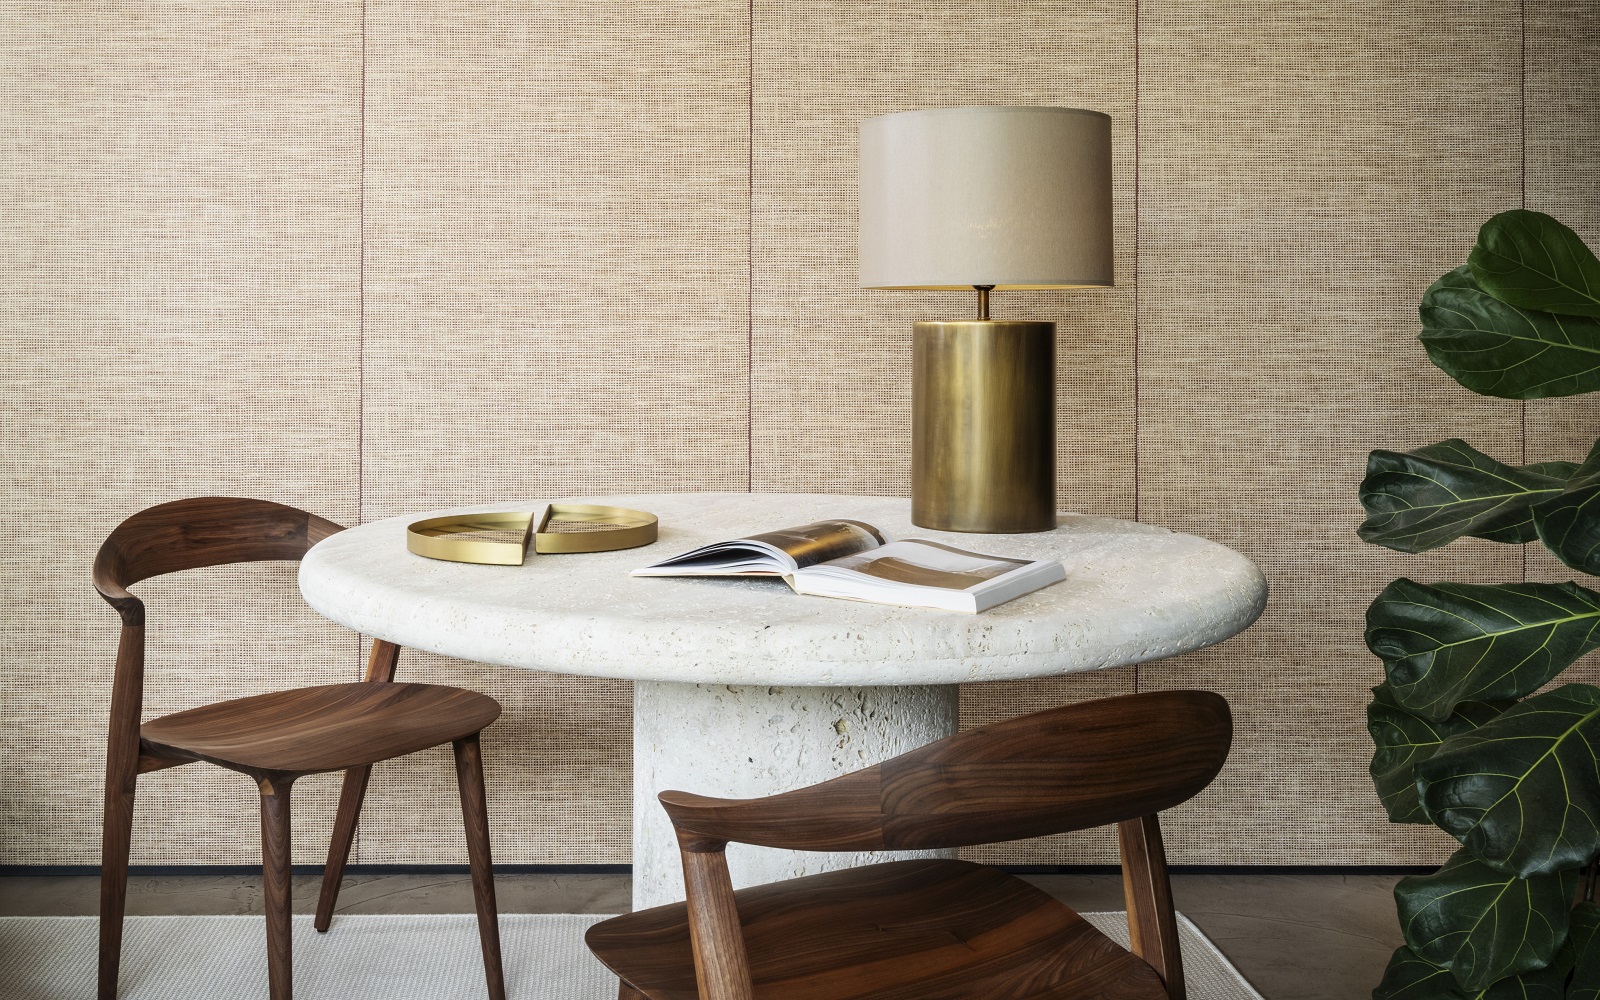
(983, 300)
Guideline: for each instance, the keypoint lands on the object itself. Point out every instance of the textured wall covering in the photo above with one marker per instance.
(385, 256)
(180, 313)
(556, 248)
(1320, 176)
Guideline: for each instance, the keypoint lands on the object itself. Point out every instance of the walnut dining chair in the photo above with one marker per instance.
(935, 929)
(271, 738)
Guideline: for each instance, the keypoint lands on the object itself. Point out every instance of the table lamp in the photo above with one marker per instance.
(985, 198)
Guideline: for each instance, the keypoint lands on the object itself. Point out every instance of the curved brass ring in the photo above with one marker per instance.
(446, 537)
(623, 529)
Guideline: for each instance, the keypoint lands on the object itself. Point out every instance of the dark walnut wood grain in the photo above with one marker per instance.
(276, 890)
(314, 729)
(272, 738)
(905, 930)
(475, 817)
(1152, 922)
(381, 665)
(936, 930)
(1062, 769)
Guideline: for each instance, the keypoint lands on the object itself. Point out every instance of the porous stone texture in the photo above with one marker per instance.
(1133, 592)
(744, 742)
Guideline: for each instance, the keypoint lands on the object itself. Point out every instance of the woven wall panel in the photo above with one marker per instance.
(1563, 147)
(558, 205)
(556, 245)
(178, 304)
(1562, 85)
(556, 219)
(1305, 174)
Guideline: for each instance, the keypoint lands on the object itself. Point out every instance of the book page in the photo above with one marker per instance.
(922, 563)
(821, 541)
(772, 553)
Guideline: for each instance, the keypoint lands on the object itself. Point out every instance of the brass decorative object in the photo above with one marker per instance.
(985, 198)
(983, 440)
(502, 538)
(582, 527)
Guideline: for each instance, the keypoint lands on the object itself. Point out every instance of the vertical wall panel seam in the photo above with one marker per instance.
(1137, 283)
(750, 250)
(1522, 99)
(361, 276)
(1522, 196)
(361, 321)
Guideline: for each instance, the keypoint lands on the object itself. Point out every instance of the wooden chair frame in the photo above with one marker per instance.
(213, 531)
(1116, 760)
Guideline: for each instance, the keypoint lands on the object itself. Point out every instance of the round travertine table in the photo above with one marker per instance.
(744, 688)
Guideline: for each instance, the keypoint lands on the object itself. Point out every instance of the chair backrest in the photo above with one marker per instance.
(169, 538)
(1069, 768)
(197, 532)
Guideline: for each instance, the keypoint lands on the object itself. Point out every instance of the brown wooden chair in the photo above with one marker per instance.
(273, 738)
(936, 929)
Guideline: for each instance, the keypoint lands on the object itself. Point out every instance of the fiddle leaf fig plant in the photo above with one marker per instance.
(1405, 739)
(1409, 977)
(1530, 260)
(1583, 935)
(1462, 740)
(1455, 642)
(1426, 498)
(1527, 920)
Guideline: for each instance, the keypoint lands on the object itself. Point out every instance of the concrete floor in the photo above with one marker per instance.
(1295, 937)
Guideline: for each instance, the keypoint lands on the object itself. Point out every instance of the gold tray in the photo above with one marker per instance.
(562, 527)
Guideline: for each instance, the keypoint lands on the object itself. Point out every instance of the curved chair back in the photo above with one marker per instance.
(1069, 768)
(169, 538)
(198, 532)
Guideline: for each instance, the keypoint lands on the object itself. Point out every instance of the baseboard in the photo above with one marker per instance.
(231, 870)
(1229, 869)
(162, 870)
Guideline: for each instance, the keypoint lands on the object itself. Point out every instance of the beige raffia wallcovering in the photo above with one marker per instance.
(377, 257)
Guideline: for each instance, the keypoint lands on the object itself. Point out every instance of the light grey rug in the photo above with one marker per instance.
(391, 957)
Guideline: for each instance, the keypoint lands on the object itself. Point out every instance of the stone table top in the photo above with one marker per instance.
(1133, 592)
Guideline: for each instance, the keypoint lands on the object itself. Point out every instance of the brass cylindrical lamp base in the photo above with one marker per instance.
(983, 445)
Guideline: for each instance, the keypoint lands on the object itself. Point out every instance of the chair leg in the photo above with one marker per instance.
(475, 817)
(115, 842)
(275, 877)
(351, 795)
(1152, 922)
(380, 670)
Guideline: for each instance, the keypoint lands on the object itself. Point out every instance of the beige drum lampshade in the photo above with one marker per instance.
(1012, 197)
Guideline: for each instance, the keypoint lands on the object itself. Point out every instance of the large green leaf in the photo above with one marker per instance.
(1500, 350)
(1584, 941)
(1530, 260)
(1403, 739)
(1481, 924)
(1569, 522)
(1455, 642)
(1522, 791)
(1410, 978)
(1423, 499)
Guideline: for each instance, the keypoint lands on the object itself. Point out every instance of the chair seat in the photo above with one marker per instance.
(327, 728)
(905, 930)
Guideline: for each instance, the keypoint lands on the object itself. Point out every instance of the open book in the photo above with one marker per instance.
(856, 561)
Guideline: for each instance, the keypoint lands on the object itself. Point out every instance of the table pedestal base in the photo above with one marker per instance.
(744, 742)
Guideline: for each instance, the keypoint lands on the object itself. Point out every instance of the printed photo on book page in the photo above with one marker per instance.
(772, 553)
